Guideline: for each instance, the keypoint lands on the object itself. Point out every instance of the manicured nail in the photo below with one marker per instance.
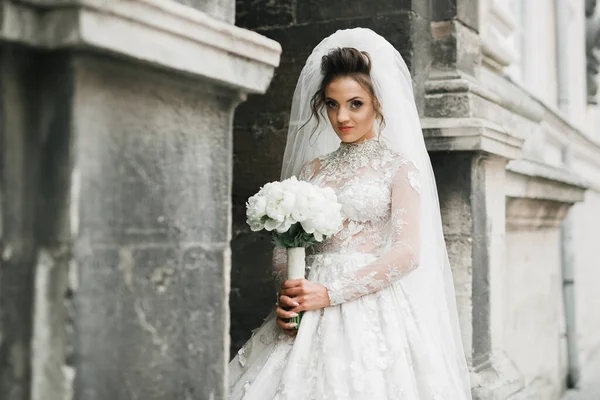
(294, 325)
(293, 315)
(295, 304)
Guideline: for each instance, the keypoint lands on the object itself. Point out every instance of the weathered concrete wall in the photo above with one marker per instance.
(153, 156)
(116, 161)
(586, 217)
(260, 125)
(534, 309)
(20, 179)
(453, 174)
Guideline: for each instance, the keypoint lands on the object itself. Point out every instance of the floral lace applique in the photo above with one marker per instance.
(379, 193)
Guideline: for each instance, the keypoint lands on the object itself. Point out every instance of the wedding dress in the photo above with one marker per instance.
(368, 344)
(391, 332)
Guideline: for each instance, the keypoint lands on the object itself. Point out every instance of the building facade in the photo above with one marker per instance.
(133, 132)
(507, 94)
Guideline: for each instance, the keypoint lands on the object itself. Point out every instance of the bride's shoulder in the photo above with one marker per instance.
(395, 159)
(399, 163)
(403, 168)
(309, 170)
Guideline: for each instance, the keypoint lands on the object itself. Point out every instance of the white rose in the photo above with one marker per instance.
(285, 225)
(255, 226)
(256, 207)
(302, 208)
(274, 199)
(271, 224)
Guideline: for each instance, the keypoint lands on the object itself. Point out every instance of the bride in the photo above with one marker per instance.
(380, 318)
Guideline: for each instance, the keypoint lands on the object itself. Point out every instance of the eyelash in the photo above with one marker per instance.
(355, 104)
(331, 104)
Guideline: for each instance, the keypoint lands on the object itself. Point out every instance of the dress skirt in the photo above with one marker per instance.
(370, 348)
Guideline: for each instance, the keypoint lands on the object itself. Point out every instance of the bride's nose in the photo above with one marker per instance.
(343, 115)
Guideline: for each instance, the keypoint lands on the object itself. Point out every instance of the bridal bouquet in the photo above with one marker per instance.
(299, 215)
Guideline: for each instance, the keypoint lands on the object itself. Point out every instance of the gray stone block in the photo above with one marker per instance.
(152, 161)
(20, 188)
(221, 9)
(311, 11)
(257, 14)
(156, 313)
(154, 164)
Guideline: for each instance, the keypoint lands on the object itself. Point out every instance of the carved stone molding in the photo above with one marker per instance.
(498, 51)
(165, 34)
(539, 196)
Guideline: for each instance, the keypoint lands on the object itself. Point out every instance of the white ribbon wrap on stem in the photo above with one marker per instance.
(296, 262)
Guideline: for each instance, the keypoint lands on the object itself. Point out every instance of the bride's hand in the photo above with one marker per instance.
(307, 295)
(288, 327)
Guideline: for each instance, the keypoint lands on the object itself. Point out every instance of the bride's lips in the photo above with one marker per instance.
(345, 128)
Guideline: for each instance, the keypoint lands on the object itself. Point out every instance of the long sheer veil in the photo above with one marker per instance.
(429, 289)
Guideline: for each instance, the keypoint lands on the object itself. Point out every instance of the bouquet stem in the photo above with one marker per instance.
(296, 267)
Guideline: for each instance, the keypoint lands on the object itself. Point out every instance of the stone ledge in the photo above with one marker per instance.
(469, 134)
(513, 97)
(499, 91)
(525, 214)
(534, 180)
(467, 98)
(539, 196)
(158, 32)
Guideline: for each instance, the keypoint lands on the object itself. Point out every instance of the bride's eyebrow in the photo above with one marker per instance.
(354, 98)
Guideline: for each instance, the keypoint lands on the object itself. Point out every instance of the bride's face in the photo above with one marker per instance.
(350, 110)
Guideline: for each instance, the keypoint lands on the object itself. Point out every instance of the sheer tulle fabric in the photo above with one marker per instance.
(392, 331)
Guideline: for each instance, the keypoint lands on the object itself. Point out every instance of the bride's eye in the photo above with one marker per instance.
(356, 104)
(330, 104)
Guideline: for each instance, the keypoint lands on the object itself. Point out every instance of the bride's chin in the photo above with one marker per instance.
(347, 137)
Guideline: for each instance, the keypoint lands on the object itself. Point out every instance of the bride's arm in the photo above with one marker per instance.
(402, 257)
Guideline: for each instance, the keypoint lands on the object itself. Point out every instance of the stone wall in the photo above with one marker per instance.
(116, 159)
(586, 217)
(145, 262)
(535, 318)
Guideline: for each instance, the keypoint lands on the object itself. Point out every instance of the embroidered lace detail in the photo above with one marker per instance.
(415, 180)
(379, 193)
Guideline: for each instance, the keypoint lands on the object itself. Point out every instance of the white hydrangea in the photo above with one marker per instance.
(279, 205)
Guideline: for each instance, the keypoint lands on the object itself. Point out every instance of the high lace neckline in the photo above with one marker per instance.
(350, 157)
(368, 145)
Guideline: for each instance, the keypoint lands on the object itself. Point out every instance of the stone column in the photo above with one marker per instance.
(473, 127)
(117, 154)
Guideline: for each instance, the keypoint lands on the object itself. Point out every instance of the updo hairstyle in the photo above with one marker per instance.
(345, 62)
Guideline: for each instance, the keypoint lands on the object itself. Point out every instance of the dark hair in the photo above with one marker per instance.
(344, 62)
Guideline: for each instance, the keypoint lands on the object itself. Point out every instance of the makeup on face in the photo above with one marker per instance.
(350, 110)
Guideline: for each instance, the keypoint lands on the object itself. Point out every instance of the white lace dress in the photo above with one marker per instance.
(367, 344)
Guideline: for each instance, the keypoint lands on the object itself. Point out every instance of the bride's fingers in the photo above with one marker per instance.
(286, 325)
(286, 301)
(293, 292)
(290, 283)
(281, 313)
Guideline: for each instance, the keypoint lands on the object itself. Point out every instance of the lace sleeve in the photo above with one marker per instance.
(402, 256)
(309, 170)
